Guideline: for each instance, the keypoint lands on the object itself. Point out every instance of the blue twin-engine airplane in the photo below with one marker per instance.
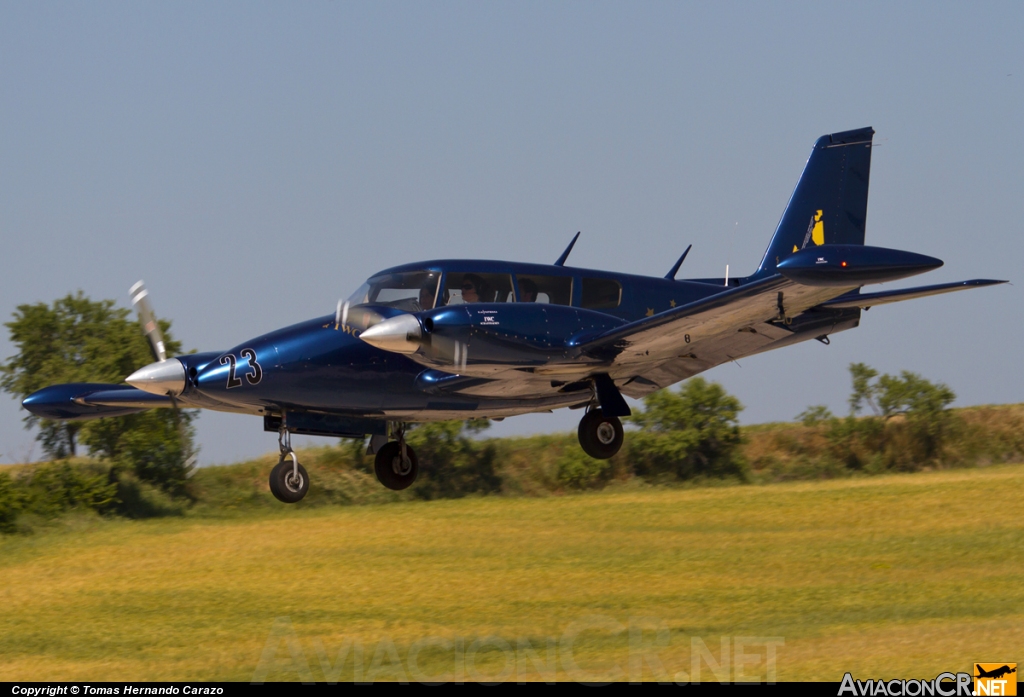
(458, 339)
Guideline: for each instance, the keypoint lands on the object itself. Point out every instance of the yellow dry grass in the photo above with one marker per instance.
(894, 576)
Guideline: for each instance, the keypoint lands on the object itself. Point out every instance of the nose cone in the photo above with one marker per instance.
(401, 334)
(162, 378)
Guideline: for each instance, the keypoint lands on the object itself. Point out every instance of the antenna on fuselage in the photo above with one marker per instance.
(565, 254)
(671, 275)
(729, 254)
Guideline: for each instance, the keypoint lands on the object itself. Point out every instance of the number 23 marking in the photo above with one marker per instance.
(253, 373)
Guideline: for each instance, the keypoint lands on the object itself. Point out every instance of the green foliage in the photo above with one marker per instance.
(78, 340)
(691, 433)
(577, 470)
(138, 499)
(910, 427)
(451, 464)
(154, 446)
(812, 416)
(863, 393)
(50, 490)
(10, 503)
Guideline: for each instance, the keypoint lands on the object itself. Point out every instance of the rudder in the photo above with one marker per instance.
(830, 202)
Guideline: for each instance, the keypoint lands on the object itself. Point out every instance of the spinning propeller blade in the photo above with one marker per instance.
(461, 356)
(164, 373)
(140, 299)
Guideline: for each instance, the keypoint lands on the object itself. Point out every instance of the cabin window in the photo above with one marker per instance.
(471, 287)
(411, 291)
(556, 290)
(601, 293)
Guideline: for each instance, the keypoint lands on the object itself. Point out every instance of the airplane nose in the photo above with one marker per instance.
(401, 334)
(163, 378)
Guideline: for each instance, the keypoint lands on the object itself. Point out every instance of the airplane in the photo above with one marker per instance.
(996, 673)
(458, 339)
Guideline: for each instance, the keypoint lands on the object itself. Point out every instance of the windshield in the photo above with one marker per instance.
(411, 291)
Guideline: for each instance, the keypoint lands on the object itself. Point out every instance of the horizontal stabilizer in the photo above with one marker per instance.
(894, 296)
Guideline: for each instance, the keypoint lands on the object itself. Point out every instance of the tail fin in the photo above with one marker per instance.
(830, 202)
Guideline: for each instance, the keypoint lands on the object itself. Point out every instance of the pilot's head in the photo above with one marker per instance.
(527, 291)
(472, 286)
(427, 297)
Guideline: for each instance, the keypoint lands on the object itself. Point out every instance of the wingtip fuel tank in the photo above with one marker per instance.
(853, 265)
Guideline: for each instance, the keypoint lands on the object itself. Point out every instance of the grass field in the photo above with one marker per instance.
(891, 576)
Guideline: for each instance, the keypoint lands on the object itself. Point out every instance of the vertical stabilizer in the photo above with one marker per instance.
(830, 202)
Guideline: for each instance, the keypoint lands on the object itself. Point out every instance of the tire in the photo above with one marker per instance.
(390, 470)
(282, 485)
(600, 436)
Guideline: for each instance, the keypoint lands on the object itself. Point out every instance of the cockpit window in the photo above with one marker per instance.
(476, 288)
(411, 291)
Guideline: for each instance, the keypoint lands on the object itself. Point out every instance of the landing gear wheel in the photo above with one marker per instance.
(284, 485)
(600, 435)
(392, 470)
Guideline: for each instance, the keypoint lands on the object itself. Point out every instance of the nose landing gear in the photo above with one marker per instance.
(600, 436)
(396, 464)
(289, 481)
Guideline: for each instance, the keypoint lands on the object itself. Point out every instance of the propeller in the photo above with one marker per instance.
(348, 317)
(460, 356)
(151, 327)
(140, 299)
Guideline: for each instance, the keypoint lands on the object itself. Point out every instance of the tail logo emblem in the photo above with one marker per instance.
(815, 231)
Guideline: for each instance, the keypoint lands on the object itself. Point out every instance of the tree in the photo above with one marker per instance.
(452, 464)
(79, 340)
(694, 431)
(863, 392)
(908, 426)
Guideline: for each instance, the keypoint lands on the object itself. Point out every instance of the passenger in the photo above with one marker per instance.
(427, 297)
(472, 288)
(527, 291)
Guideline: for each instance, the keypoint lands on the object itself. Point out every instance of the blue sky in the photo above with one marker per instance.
(254, 162)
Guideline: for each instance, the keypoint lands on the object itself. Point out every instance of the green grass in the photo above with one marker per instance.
(898, 575)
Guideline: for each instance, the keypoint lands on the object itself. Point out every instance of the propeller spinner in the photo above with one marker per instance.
(166, 376)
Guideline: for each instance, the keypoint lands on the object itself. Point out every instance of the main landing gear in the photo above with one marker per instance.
(396, 464)
(600, 436)
(289, 481)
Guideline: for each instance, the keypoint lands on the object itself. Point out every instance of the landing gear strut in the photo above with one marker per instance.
(600, 436)
(289, 481)
(396, 464)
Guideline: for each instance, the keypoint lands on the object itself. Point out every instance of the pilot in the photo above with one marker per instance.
(426, 300)
(527, 291)
(472, 288)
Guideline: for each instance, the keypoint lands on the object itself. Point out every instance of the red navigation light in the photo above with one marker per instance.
(842, 263)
